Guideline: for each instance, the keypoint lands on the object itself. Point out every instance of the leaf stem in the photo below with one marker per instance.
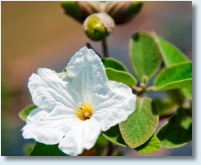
(150, 88)
(137, 89)
(104, 47)
(142, 89)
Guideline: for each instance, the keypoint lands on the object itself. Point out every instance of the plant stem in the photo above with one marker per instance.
(110, 150)
(150, 88)
(90, 47)
(137, 89)
(142, 89)
(104, 47)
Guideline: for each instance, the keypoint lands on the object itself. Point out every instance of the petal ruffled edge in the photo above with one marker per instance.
(49, 90)
(86, 74)
(83, 135)
(115, 106)
(44, 128)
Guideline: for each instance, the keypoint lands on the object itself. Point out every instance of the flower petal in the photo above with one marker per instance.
(49, 90)
(59, 95)
(45, 127)
(83, 135)
(86, 74)
(113, 105)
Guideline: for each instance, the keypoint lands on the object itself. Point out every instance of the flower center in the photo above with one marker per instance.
(84, 112)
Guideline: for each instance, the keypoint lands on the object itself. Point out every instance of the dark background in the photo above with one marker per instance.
(38, 34)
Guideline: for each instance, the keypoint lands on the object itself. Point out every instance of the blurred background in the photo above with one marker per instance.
(39, 34)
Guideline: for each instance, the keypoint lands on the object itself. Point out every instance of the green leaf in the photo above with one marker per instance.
(149, 147)
(141, 124)
(121, 76)
(114, 135)
(187, 92)
(179, 96)
(71, 8)
(175, 76)
(170, 53)
(100, 145)
(25, 112)
(177, 132)
(27, 149)
(176, 96)
(145, 55)
(64, 70)
(166, 106)
(46, 150)
(113, 63)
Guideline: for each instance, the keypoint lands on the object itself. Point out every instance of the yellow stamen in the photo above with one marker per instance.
(84, 112)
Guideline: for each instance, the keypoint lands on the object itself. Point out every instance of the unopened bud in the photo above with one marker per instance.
(98, 26)
(123, 12)
(80, 10)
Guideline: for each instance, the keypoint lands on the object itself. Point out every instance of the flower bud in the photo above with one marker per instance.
(80, 10)
(98, 26)
(123, 12)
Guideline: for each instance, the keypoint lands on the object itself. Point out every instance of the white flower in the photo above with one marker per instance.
(74, 107)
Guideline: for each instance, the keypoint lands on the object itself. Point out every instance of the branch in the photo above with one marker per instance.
(90, 47)
(104, 46)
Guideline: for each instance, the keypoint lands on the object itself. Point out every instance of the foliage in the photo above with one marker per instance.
(152, 57)
(114, 135)
(178, 131)
(113, 63)
(145, 55)
(174, 77)
(25, 111)
(170, 53)
(150, 146)
(141, 124)
(121, 76)
(46, 150)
